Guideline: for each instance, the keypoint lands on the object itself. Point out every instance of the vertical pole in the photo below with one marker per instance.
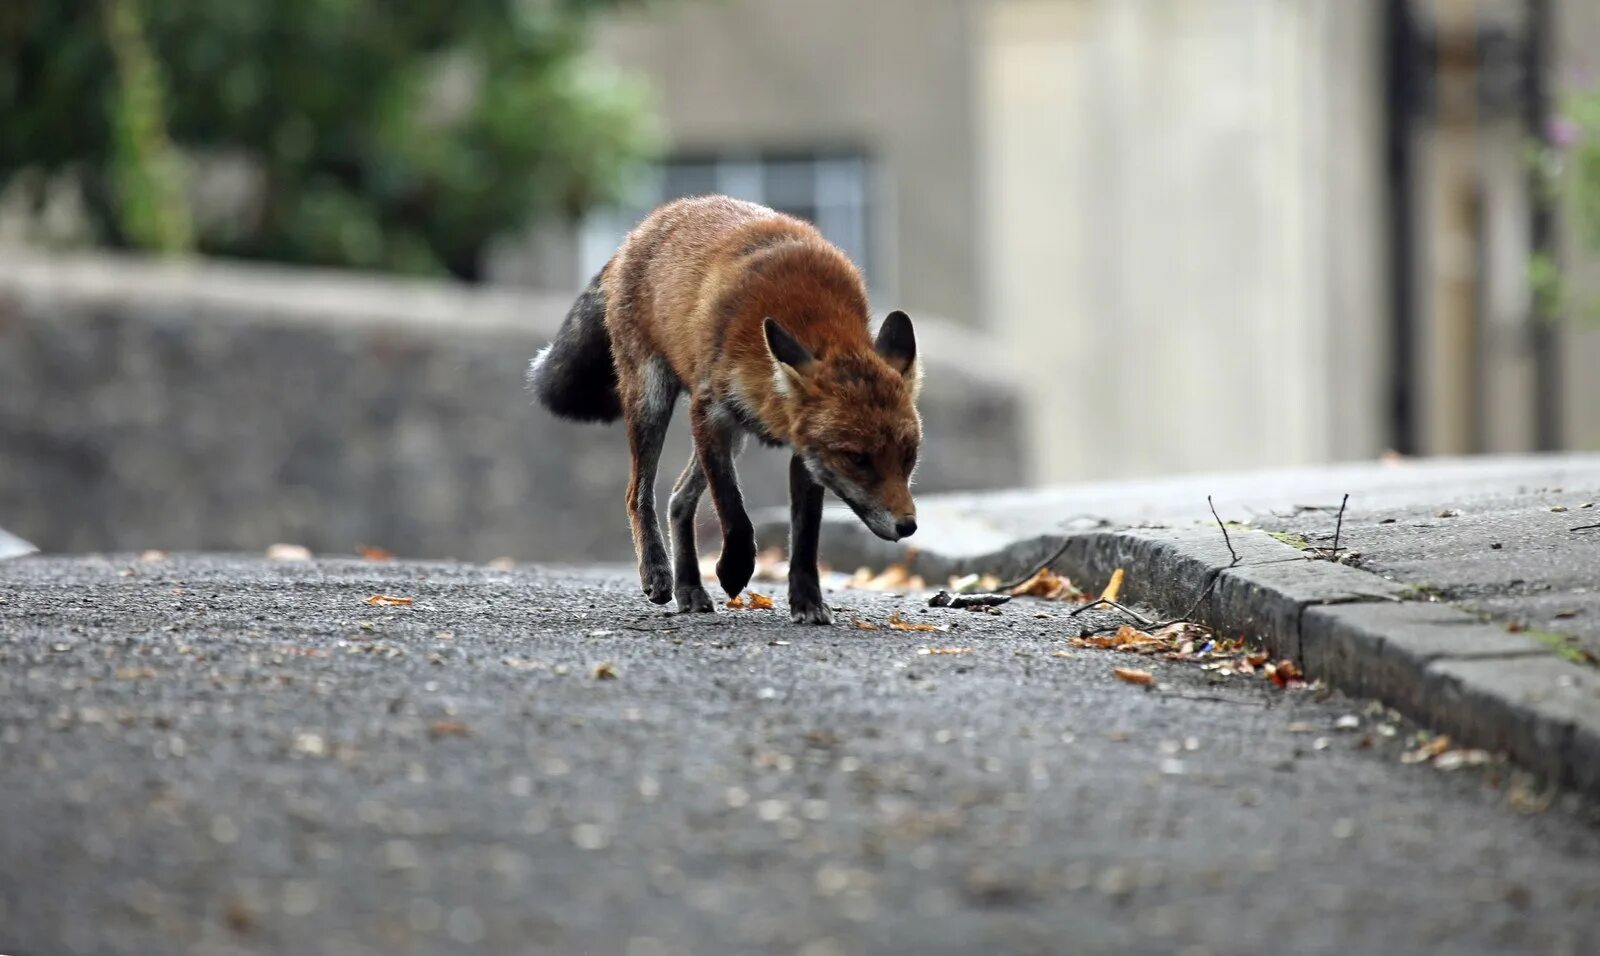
(1543, 333)
(1403, 95)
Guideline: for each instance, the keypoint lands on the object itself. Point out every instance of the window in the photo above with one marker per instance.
(830, 191)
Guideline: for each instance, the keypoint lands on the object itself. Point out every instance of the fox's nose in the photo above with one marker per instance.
(905, 527)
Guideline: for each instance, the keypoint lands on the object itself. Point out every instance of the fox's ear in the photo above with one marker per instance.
(897, 345)
(791, 362)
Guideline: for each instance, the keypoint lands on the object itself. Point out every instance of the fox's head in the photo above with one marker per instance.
(854, 420)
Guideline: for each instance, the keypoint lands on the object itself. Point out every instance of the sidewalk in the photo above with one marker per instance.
(1468, 593)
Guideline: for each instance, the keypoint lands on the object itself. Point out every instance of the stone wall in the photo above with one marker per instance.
(227, 407)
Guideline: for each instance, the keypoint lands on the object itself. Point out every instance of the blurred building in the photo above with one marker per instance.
(1209, 233)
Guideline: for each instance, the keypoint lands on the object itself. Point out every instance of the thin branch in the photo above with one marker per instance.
(1126, 610)
(1338, 526)
(1066, 541)
(1585, 527)
(1225, 539)
(1187, 616)
(1211, 584)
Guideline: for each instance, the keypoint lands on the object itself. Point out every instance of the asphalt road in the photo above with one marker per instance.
(211, 755)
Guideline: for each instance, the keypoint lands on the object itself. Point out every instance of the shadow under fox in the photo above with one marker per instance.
(763, 323)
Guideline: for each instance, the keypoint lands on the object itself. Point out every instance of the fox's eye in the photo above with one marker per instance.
(859, 460)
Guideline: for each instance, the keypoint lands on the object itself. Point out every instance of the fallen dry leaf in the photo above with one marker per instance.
(389, 599)
(1285, 672)
(605, 671)
(1134, 676)
(1048, 585)
(1113, 587)
(1428, 751)
(135, 673)
(757, 602)
(1456, 759)
(944, 650)
(289, 552)
(375, 553)
(899, 623)
(449, 728)
(1127, 638)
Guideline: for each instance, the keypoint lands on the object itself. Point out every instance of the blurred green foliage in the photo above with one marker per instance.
(368, 133)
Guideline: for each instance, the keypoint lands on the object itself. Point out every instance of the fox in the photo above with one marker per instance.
(764, 325)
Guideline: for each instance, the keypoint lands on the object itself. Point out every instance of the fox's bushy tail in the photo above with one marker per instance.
(575, 376)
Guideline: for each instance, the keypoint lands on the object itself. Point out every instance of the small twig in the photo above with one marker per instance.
(1338, 526)
(1126, 610)
(1187, 616)
(1215, 575)
(1066, 541)
(1585, 527)
(1225, 539)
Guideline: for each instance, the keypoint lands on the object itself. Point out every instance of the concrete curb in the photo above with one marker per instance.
(1442, 666)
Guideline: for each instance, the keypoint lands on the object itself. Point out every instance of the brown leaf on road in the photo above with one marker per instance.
(1048, 585)
(1428, 751)
(1134, 676)
(1113, 587)
(374, 553)
(449, 728)
(1285, 672)
(756, 602)
(605, 671)
(864, 625)
(135, 673)
(390, 599)
(899, 623)
(1127, 638)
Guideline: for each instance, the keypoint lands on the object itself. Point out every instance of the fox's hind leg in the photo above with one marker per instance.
(716, 443)
(686, 586)
(647, 400)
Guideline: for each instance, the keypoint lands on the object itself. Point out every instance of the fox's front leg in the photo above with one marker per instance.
(805, 526)
(716, 444)
(647, 405)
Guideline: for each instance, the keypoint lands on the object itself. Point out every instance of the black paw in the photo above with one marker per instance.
(809, 612)
(736, 565)
(656, 579)
(694, 600)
